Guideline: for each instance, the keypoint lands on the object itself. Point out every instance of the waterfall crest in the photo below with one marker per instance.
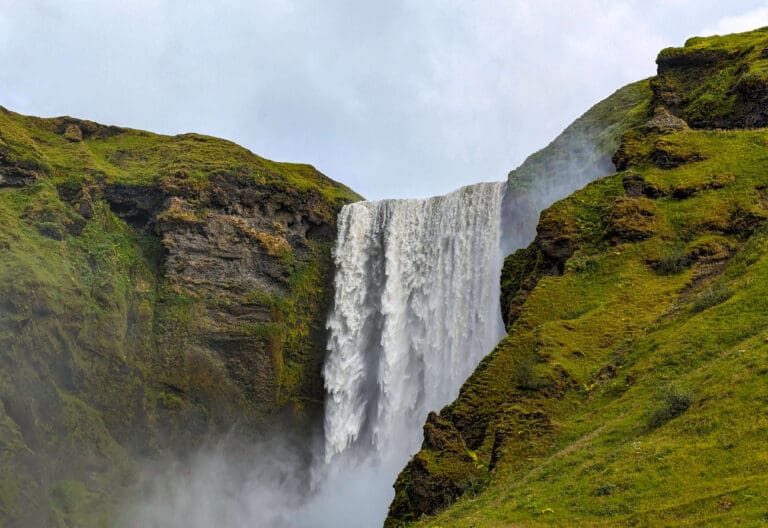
(416, 308)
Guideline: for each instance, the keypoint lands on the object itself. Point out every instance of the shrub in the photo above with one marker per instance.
(674, 260)
(606, 488)
(674, 401)
(711, 297)
(524, 374)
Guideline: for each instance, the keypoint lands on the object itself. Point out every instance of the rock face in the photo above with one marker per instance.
(717, 82)
(443, 470)
(622, 310)
(663, 121)
(154, 291)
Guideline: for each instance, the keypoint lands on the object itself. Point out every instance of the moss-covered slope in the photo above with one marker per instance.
(632, 387)
(153, 290)
(580, 154)
(717, 82)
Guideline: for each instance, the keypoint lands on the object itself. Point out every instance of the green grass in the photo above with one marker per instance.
(107, 355)
(134, 157)
(713, 76)
(646, 356)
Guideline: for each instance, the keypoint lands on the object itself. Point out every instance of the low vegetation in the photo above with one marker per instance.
(631, 389)
(125, 329)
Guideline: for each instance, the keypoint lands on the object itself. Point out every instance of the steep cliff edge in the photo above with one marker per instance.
(153, 290)
(580, 154)
(631, 387)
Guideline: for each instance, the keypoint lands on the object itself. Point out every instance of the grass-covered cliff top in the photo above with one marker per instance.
(76, 151)
(154, 291)
(746, 44)
(631, 389)
(583, 151)
(716, 82)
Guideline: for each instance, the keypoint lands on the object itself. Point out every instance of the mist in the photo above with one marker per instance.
(289, 482)
(234, 483)
(226, 484)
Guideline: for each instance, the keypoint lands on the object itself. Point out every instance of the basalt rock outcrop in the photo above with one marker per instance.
(716, 83)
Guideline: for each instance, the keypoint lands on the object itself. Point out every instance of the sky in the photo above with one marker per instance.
(395, 98)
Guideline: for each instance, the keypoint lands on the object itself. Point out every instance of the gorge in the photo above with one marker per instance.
(192, 335)
(416, 307)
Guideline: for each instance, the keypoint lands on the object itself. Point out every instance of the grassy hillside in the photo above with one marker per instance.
(153, 290)
(632, 387)
(580, 154)
(717, 82)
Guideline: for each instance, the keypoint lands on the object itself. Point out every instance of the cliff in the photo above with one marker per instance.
(580, 154)
(154, 290)
(631, 387)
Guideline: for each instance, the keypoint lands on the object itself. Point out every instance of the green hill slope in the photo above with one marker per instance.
(153, 290)
(632, 387)
(580, 154)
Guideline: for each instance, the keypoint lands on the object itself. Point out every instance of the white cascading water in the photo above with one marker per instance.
(416, 308)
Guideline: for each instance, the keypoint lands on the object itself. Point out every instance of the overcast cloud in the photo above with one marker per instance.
(396, 98)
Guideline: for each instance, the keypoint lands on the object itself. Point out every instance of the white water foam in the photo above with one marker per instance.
(416, 308)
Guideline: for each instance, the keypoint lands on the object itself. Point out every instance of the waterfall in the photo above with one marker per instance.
(416, 308)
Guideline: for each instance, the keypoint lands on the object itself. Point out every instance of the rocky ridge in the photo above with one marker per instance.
(627, 391)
